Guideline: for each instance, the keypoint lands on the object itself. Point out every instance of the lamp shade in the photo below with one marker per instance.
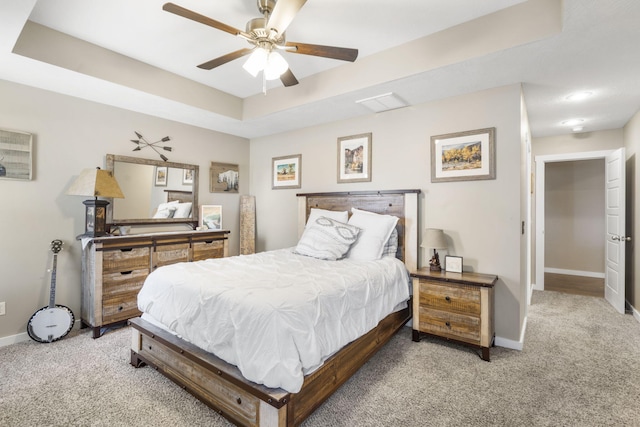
(95, 183)
(434, 238)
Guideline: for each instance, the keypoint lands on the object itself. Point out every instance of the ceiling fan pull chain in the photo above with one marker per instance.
(264, 83)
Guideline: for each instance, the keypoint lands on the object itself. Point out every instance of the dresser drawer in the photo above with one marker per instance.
(170, 254)
(125, 259)
(452, 298)
(208, 249)
(123, 282)
(120, 307)
(450, 325)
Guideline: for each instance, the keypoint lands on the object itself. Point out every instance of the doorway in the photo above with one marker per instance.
(613, 217)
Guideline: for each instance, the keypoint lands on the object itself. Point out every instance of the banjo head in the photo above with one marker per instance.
(49, 324)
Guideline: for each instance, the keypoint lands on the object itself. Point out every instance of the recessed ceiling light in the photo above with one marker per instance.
(572, 122)
(579, 96)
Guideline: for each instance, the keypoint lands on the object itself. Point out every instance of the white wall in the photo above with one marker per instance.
(70, 135)
(482, 218)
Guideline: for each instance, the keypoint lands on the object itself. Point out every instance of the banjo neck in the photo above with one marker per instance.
(52, 293)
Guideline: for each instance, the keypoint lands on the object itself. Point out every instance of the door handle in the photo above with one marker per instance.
(621, 238)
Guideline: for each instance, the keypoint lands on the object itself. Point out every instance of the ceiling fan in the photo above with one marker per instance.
(267, 35)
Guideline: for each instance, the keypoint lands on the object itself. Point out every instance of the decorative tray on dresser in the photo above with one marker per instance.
(455, 306)
(115, 267)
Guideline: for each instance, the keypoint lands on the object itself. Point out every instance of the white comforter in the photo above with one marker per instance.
(275, 315)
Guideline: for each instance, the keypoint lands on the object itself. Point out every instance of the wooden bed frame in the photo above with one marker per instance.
(221, 385)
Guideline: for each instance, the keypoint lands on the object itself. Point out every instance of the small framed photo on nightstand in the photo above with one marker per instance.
(453, 264)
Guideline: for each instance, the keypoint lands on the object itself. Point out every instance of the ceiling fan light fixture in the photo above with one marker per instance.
(276, 65)
(256, 62)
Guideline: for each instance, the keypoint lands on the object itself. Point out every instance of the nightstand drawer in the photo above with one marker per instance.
(450, 325)
(453, 298)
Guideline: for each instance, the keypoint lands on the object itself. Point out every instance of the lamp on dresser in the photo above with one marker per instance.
(434, 238)
(95, 183)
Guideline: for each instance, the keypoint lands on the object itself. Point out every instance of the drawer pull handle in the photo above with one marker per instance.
(448, 298)
(126, 249)
(120, 308)
(448, 324)
(124, 273)
(239, 401)
(208, 242)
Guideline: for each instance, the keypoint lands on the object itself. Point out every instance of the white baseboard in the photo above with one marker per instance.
(595, 274)
(23, 336)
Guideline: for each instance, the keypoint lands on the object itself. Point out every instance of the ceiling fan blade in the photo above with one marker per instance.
(341, 53)
(283, 13)
(225, 58)
(288, 79)
(186, 13)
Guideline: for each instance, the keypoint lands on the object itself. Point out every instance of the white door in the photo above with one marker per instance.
(615, 217)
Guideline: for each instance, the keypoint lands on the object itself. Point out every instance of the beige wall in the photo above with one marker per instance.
(481, 218)
(632, 150)
(70, 135)
(574, 216)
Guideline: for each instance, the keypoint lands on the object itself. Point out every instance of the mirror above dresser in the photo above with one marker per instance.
(155, 192)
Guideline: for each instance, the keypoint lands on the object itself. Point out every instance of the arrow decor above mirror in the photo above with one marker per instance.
(142, 143)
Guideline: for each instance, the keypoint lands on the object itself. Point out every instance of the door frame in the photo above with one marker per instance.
(541, 162)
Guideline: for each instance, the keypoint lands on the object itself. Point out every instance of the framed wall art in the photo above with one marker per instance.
(162, 173)
(453, 264)
(464, 156)
(354, 158)
(211, 217)
(16, 157)
(224, 178)
(187, 176)
(286, 172)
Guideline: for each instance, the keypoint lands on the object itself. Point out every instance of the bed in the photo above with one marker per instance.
(222, 386)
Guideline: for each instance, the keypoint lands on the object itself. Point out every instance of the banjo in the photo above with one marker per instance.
(54, 321)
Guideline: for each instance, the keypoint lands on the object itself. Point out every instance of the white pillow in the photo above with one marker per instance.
(164, 213)
(326, 238)
(183, 210)
(340, 216)
(168, 205)
(375, 232)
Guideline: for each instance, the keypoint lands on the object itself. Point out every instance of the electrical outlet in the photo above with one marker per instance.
(2, 307)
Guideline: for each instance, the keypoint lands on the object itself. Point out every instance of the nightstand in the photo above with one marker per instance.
(454, 306)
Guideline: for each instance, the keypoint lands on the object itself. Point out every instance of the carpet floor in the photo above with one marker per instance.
(580, 366)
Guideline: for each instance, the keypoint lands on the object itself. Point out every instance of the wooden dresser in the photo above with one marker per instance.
(115, 267)
(455, 306)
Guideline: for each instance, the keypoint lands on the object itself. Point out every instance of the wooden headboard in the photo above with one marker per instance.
(400, 203)
(180, 196)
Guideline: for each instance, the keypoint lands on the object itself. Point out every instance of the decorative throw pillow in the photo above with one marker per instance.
(391, 247)
(340, 216)
(326, 238)
(183, 210)
(375, 232)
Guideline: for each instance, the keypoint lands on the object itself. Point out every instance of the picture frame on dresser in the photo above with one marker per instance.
(453, 264)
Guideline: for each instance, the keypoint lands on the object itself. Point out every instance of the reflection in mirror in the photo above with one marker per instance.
(155, 191)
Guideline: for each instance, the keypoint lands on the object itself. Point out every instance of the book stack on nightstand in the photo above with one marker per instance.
(455, 306)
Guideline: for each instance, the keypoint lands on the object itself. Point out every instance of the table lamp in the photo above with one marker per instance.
(95, 183)
(434, 238)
